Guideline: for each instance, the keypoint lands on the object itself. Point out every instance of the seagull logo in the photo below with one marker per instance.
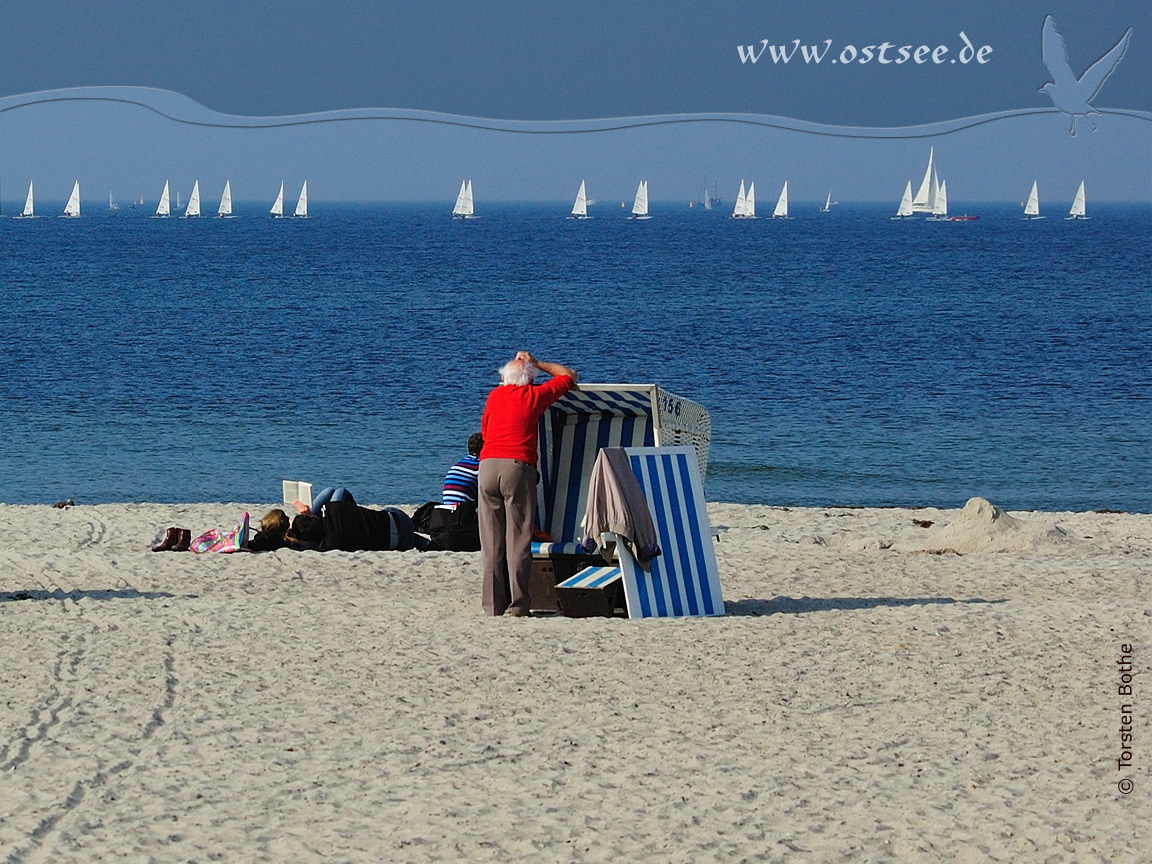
(1068, 93)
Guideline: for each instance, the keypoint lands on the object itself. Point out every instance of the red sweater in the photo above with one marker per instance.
(512, 418)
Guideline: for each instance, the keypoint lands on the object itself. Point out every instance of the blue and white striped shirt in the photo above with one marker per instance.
(461, 480)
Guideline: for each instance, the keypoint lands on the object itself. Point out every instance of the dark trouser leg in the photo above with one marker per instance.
(495, 594)
(520, 509)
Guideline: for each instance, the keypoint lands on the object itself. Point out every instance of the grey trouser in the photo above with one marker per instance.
(507, 503)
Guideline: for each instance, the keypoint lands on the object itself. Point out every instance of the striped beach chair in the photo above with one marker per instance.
(572, 432)
(684, 579)
(583, 421)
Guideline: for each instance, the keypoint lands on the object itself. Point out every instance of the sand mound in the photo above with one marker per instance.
(984, 527)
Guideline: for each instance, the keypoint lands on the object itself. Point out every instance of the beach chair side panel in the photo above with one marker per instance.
(681, 421)
(685, 579)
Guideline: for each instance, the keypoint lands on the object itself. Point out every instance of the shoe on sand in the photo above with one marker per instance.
(171, 537)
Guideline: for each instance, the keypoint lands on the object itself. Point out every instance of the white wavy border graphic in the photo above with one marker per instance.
(181, 109)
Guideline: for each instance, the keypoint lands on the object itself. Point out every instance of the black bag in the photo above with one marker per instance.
(451, 530)
(422, 515)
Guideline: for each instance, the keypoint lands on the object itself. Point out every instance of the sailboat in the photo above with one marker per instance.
(29, 211)
(465, 207)
(112, 205)
(193, 202)
(1077, 211)
(278, 207)
(781, 211)
(72, 208)
(741, 199)
(580, 208)
(163, 209)
(905, 209)
(745, 202)
(828, 204)
(924, 200)
(226, 201)
(640, 205)
(709, 198)
(1032, 208)
(939, 199)
(301, 211)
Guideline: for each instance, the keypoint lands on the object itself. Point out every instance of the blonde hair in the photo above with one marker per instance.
(275, 523)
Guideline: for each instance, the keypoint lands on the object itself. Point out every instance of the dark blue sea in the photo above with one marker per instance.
(846, 359)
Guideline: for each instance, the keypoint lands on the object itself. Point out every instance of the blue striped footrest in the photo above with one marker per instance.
(590, 593)
(539, 548)
(592, 577)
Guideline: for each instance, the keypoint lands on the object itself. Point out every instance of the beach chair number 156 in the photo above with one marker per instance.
(671, 406)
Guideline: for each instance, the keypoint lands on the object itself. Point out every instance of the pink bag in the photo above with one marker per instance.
(216, 540)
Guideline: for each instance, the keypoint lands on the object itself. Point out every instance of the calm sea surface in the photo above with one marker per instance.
(845, 358)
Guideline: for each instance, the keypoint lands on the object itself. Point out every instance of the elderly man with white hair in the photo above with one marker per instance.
(508, 477)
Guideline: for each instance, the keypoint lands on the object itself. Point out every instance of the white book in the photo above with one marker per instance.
(297, 490)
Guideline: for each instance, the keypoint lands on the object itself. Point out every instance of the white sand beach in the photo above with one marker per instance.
(888, 685)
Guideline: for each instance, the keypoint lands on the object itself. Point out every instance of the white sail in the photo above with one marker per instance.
(922, 203)
(194, 202)
(781, 211)
(278, 207)
(112, 205)
(1032, 208)
(29, 207)
(906, 202)
(932, 194)
(302, 202)
(940, 202)
(738, 212)
(750, 201)
(163, 208)
(465, 206)
(640, 205)
(580, 208)
(1077, 211)
(828, 204)
(226, 200)
(72, 208)
(708, 195)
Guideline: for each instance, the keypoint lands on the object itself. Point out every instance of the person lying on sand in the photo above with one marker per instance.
(345, 525)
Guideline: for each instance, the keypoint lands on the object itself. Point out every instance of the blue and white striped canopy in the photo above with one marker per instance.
(572, 432)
